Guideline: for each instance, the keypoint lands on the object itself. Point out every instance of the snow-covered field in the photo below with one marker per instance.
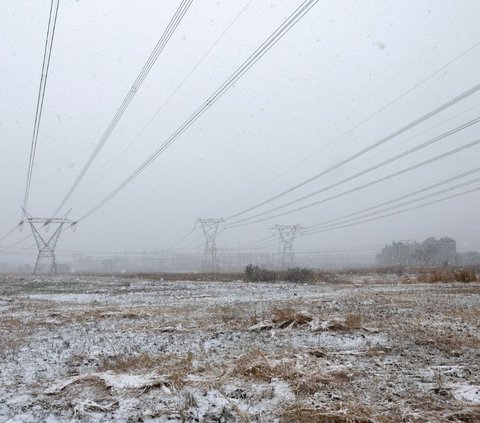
(369, 349)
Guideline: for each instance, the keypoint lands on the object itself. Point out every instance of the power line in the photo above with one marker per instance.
(268, 240)
(193, 241)
(174, 92)
(368, 184)
(288, 24)
(373, 247)
(402, 142)
(182, 239)
(30, 248)
(162, 42)
(12, 246)
(365, 171)
(365, 120)
(9, 233)
(368, 211)
(52, 21)
(398, 212)
(389, 137)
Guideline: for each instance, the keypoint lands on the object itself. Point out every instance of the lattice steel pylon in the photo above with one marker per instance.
(210, 230)
(46, 261)
(286, 235)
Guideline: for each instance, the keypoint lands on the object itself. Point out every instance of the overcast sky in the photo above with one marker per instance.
(341, 63)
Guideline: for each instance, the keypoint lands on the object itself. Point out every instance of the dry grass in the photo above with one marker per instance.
(465, 415)
(436, 276)
(413, 328)
(377, 351)
(125, 364)
(107, 313)
(14, 333)
(254, 365)
(310, 384)
(176, 368)
(288, 317)
(304, 381)
(449, 343)
(234, 317)
(299, 413)
(350, 322)
(193, 276)
(353, 322)
(83, 395)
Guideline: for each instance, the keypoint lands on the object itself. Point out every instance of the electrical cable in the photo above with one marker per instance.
(260, 241)
(247, 64)
(404, 141)
(174, 92)
(365, 171)
(190, 243)
(159, 47)
(389, 137)
(397, 212)
(9, 233)
(368, 184)
(52, 22)
(182, 239)
(362, 122)
(367, 212)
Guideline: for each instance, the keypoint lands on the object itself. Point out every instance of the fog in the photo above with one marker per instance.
(347, 75)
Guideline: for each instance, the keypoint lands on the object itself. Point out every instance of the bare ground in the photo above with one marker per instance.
(370, 349)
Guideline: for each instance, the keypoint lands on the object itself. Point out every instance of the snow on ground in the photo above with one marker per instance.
(95, 349)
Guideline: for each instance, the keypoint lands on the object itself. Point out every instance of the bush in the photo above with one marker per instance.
(461, 275)
(255, 273)
(299, 274)
(465, 275)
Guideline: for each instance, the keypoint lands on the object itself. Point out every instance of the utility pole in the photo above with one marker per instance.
(286, 235)
(46, 261)
(210, 230)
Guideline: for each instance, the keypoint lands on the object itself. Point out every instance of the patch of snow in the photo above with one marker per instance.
(469, 393)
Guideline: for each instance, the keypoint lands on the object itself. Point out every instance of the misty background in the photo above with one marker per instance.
(277, 126)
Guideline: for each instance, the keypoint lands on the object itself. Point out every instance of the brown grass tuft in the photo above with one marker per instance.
(353, 321)
(128, 364)
(451, 344)
(174, 367)
(299, 413)
(310, 384)
(349, 323)
(466, 415)
(254, 365)
(288, 317)
(437, 276)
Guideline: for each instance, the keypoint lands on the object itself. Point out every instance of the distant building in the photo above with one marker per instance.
(431, 252)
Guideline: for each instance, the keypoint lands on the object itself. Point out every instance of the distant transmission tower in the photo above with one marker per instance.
(46, 262)
(210, 229)
(286, 235)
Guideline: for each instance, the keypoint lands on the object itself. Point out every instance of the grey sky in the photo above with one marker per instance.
(342, 62)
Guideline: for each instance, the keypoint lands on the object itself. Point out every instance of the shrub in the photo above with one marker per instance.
(298, 274)
(465, 275)
(257, 274)
(461, 275)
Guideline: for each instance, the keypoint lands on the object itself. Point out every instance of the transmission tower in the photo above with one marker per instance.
(46, 262)
(210, 230)
(286, 235)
